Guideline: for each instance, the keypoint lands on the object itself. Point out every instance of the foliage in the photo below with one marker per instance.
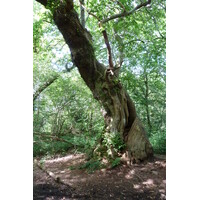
(158, 141)
(115, 162)
(50, 148)
(114, 139)
(81, 124)
(92, 165)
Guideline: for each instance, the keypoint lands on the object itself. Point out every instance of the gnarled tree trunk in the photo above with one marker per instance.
(120, 114)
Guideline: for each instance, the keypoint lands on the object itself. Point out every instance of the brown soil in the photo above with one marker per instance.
(138, 182)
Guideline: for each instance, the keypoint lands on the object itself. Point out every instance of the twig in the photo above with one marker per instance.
(139, 177)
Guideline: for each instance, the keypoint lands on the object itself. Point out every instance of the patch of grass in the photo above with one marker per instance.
(92, 165)
(115, 162)
(72, 167)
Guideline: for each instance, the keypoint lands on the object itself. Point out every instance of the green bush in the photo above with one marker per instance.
(92, 165)
(113, 139)
(115, 162)
(50, 148)
(158, 141)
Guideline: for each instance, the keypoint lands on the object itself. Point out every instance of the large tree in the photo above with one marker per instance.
(119, 110)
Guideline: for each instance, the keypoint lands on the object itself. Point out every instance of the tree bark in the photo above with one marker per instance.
(120, 113)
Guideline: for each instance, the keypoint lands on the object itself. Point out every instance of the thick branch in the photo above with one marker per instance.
(44, 86)
(124, 14)
(79, 42)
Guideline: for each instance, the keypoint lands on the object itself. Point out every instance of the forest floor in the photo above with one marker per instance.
(56, 180)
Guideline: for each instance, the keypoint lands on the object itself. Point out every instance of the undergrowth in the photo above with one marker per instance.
(158, 141)
(92, 165)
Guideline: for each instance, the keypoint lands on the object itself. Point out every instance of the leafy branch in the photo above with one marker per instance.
(125, 13)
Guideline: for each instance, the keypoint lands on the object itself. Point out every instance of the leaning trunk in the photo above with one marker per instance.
(120, 114)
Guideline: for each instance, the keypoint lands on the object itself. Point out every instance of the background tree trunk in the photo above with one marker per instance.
(120, 114)
(44, 86)
(146, 83)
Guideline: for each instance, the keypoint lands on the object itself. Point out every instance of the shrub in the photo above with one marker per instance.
(158, 141)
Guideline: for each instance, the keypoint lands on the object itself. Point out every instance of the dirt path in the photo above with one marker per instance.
(138, 182)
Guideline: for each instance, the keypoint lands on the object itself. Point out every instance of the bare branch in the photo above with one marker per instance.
(124, 14)
(109, 49)
(134, 40)
(140, 6)
(44, 86)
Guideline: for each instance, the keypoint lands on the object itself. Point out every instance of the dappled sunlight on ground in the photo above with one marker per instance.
(64, 160)
(138, 181)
